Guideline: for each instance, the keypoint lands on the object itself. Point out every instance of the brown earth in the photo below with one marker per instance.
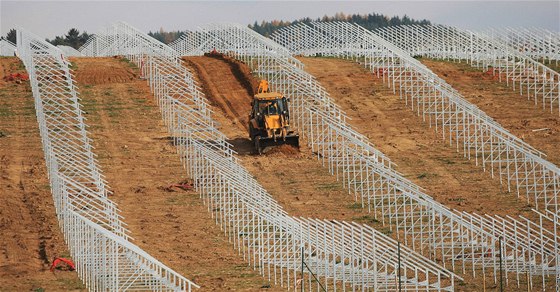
(300, 183)
(29, 234)
(294, 178)
(140, 163)
(420, 153)
(538, 127)
(173, 225)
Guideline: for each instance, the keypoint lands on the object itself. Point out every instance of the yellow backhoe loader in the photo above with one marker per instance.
(269, 121)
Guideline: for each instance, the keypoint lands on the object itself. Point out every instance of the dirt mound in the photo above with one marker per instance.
(89, 72)
(287, 150)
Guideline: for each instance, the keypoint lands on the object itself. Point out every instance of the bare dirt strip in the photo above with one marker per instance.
(29, 234)
(538, 127)
(419, 152)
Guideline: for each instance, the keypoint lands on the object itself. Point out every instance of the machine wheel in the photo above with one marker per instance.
(258, 148)
(251, 131)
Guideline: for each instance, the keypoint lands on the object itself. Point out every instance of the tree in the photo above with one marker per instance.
(369, 21)
(11, 36)
(73, 38)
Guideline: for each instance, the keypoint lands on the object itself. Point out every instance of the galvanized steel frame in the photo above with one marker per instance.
(344, 255)
(7, 48)
(537, 43)
(96, 236)
(443, 107)
(530, 78)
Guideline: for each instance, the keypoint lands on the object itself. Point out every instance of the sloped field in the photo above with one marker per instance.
(29, 234)
(172, 224)
(537, 126)
(295, 178)
(419, 152)
(141, 166)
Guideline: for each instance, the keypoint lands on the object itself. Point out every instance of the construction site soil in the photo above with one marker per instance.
(29, 234)
(172, 224)
(420, 153)
(293, 177)
(141, 165)
(538, 127)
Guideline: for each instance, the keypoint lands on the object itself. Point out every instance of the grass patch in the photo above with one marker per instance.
(422, 175)
(355, 206)
(457, 199)
(366, 219)
(139, 100)
(72, 284)
(128, 63)
(445, 160)
(88, 105)
(426, 175)
(386, 231)
(328, 186)
(5, 112)
(178, 199)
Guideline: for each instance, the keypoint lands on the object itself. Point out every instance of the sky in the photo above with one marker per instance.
(51, 18)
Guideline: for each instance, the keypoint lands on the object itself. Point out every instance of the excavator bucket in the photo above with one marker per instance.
(261, 143)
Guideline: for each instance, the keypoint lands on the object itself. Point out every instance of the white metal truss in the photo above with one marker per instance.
(97, 238)
(537, 43)
(69, 51)
(515, 162)
(7, 48)
(428, 226)
(530, 78)
(340, 254)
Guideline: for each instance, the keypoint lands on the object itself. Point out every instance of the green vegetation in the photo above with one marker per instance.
(426, 175)
(129, 63)
(355, 206)
(72, 284)
(369, 21)
(329, 186)
(370, 219)
(166, 37)
(5, 112)
(10, 36)
(73, 39)
(266, 28)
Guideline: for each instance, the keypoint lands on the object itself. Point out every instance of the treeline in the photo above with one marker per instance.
(369, 21)
(11, 36)
(73, 38)
(166, 37)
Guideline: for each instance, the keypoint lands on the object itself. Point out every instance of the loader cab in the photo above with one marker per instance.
(269, 104)
(269, 122)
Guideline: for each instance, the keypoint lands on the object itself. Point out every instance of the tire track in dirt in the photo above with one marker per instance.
(231, 95)
(294, 178)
